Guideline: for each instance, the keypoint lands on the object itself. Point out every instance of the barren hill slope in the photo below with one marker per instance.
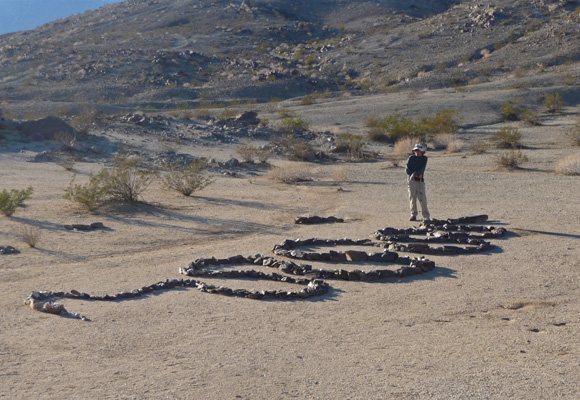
(163, 53)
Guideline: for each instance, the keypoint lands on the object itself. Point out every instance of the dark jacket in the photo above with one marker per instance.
(416, 164)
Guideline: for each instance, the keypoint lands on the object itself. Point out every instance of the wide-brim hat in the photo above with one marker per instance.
(419, 147)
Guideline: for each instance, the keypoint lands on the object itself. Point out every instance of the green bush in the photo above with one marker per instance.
(11, 200)
(127, 180)
(291, 122)
(394, 127)
(553, 103)
(186, 179)
(90, 195)
(443, 122)
(506, 138)
(296, 148)
(512, 110)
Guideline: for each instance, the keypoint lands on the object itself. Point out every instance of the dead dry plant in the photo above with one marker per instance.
(290, 174)
(447, 141)
(29, 234)
(401, 150)
(569, 165)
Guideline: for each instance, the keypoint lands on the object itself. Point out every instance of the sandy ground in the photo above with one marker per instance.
(490, 326)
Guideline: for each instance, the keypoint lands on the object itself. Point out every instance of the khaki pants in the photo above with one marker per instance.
(417, 191)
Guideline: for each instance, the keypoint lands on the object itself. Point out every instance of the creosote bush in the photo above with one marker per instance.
(291, 122)
(91, 195)
(11, 200)
(127, 179)
(507, 138)
(124, 182)
(553, 103)
(186, 179)
(394, 127)
(296, 148)
(513, 110)
(511, 159)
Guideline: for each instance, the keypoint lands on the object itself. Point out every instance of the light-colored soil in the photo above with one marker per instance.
(489, 326)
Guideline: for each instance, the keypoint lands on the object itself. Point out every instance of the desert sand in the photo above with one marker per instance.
(496, 325)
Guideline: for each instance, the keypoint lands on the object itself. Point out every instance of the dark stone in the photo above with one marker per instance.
(5, 250)
(352, 255)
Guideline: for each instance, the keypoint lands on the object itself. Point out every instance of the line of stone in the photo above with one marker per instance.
(39, 300)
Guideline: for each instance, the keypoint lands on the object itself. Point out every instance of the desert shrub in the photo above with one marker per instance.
(91, 195)
(553, 103)
(11, 200)
(127, 179)
(308, 100)
(296, 148)
(372, 121)
(378, 134)
(507, 137)
(532, 117)
(186, 179)
(511, 159)
(569, 165)
(340, 174)
(574, 134)
(85, 120)
(480, 146)
(227, 113)
(29, 234)
(443, 122)
(250, 153)
(512, 110)
(442, 141)
(290, 122)
(454, 146)
(401, 150)
(396, 127)
(66, 161)
(65, 140)
(290, 174)
(352, 143)
(247, 152)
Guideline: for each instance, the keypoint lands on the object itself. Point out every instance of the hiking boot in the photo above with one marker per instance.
(413, 219)
(426, 221)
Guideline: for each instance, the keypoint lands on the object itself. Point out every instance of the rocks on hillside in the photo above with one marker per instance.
(46, 128)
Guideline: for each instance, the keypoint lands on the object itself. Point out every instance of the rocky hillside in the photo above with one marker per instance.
(171, 53)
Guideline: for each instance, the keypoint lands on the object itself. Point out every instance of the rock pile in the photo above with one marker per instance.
(8, 250)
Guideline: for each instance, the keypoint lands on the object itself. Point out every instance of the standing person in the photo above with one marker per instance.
(415, 169)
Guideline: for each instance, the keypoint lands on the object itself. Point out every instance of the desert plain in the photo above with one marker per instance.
(496, 325)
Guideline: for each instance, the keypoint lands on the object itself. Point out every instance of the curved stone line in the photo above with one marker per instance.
(411, 267)
(39, 301)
